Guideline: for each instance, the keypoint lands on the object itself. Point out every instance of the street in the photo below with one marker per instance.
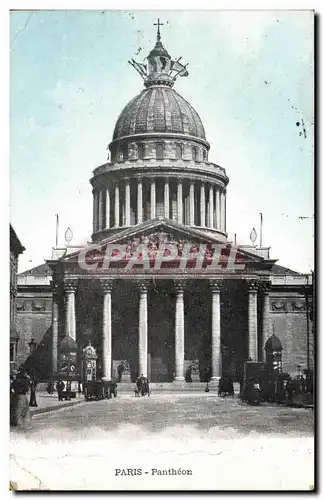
(224, 443)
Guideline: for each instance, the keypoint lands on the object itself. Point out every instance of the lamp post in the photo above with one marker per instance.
(32, 384)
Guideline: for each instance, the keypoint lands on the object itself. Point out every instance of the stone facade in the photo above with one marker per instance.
(95, 303)
(34, 320)
(289, 321)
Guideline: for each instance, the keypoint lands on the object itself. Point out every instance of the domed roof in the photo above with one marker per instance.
(273, 344)
(159, 109)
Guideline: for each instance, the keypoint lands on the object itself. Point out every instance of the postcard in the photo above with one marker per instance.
(162, 285)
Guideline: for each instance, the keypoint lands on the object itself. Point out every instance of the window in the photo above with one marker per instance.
(194, 153)
(204, 155)
(159, 152)
(125, 152)
(178, 151)
(140, 151)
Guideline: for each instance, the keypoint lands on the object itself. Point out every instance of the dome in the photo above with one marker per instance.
(159, 109)
(273, 344)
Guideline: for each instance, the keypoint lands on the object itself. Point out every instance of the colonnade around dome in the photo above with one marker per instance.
(130, 201)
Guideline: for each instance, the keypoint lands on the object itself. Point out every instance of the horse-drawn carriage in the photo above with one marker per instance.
(255, 383)
(98, 389)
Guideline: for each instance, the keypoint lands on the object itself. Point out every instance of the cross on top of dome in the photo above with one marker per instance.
(160, 69)
(158, 24)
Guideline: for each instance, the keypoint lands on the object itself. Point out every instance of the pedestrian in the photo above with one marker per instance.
(60, 386)
(20, 387)
(120, 370)
(33, 385)
(13, 420)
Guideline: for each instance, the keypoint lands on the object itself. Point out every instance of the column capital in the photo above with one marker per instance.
(70, 284)
(179, 286)
(253, 285)
(143, 285)
(106, 285)
(215, 285)
(265, 286)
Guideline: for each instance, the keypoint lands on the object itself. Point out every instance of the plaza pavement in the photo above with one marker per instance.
(224, 443)
(49, 402)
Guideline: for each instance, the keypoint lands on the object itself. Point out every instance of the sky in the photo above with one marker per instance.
(250, 80)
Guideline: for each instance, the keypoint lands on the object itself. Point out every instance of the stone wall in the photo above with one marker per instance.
(34, 320)
(289, 321)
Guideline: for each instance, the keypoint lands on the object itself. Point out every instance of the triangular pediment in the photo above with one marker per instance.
(162, 228)
(165, 244)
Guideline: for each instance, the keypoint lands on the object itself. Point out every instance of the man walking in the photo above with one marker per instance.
(60, 386)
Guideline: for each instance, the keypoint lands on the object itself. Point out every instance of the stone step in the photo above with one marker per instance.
(175, 386)
(165, 386)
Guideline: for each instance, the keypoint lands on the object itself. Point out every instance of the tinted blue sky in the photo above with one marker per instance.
(250, 79)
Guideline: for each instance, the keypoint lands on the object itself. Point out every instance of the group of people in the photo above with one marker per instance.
(142, 386)
(20, 385)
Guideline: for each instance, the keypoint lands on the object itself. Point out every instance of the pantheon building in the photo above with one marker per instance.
(160, 289)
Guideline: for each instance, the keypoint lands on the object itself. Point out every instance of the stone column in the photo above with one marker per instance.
(127, 204)
(55, 320)
(166, 199)
(179, 202)
(139, 202)
(224, 223)
(142, 328)
(116, 205)
(202, 205)
(106, 286)
(191, 204)
(265, 288)
(70, 287)
(179, 332)
(101, 210)
(95, 211)
(153, 199)
(253, 320)
(216, 332)
(211, 206)
(222, 203)
(107, 208)
(218, 216)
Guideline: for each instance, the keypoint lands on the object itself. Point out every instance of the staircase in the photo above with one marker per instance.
(165, 386)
